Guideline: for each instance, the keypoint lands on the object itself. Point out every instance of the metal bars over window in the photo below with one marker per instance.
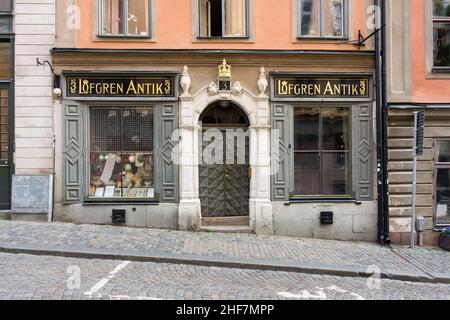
(121, 153)
(322, 151)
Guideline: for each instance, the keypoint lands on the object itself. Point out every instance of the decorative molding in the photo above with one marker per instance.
(237, 89)
(213, 89)
(185, 82)
(262, 82)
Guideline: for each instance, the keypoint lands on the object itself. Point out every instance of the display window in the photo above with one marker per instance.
(322, 151)
(121, 153)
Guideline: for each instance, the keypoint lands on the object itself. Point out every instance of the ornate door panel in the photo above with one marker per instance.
(225, 188)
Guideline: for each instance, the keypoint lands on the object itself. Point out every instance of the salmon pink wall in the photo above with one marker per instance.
(272, 29)
(424, 90)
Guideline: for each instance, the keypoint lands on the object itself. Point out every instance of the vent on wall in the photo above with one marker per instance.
(118, 216)
(326, 218)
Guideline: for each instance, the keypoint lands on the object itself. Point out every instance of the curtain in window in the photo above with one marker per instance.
(205, 15)
(333, 16)
(138, 17)
(113, 17)
(235, 18)
(309, 24)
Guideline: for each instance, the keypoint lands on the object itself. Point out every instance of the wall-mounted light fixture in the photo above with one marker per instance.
(56, 77)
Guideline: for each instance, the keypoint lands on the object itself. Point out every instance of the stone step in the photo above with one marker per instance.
(226, 221)
(30, 217)
(5, 215)
(227, 229)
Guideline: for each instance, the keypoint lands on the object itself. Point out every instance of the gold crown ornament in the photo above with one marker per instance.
(224, 70)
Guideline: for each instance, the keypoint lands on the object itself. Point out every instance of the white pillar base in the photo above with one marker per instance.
(189, 215)
(261, 216)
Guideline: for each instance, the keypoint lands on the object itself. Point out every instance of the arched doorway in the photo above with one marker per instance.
(224, 167)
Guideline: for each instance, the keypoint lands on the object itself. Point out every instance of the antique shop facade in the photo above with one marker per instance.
(138, 144)
(212, 120)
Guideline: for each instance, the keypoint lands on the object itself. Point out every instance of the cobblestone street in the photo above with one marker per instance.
(32, 277)
(238, 248)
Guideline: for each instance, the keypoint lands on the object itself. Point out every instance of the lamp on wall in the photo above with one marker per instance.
(56, 77)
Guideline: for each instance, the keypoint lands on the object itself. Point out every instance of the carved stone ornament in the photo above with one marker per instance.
(185, 81)
(237, 89)
(213, 89)
(262, 82)
(224, 70)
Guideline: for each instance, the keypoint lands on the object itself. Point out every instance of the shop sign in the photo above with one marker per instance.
(120, 87)
(308, 87)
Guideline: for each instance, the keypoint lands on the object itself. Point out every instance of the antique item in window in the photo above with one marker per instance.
(99, 192)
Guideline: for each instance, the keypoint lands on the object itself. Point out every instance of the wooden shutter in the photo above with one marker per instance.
(281, 151)
(363, 152)
(73, 152)
(167, 170)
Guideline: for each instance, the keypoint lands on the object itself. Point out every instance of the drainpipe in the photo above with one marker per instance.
(385, 119)
(381, 127)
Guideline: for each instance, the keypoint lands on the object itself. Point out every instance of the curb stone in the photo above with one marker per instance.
(223, 262)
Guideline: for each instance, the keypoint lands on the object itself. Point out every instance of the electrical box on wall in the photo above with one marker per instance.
(32, 194)
(326, 218)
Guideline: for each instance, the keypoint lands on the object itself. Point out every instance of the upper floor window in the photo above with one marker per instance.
(5, 5)
(6, 16)
(321, 18)
(441, 33)
(125, 18)
(442, 182)
(223, 18)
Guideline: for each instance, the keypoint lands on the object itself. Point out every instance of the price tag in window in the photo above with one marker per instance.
(108, 170)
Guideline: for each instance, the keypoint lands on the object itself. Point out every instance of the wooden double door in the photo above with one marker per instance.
(225, 184)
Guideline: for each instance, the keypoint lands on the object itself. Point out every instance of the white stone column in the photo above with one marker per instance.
(189, 213)
(261, 215)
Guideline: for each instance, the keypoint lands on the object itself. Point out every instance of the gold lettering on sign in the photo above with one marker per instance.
(363, 87)
(131, 87)
(282, 88)
(322, 88)
(122, 87)
(328, 89)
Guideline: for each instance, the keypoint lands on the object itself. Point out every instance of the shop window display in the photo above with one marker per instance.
(121, 153)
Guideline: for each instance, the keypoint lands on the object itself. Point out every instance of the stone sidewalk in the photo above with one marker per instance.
(226, 250)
